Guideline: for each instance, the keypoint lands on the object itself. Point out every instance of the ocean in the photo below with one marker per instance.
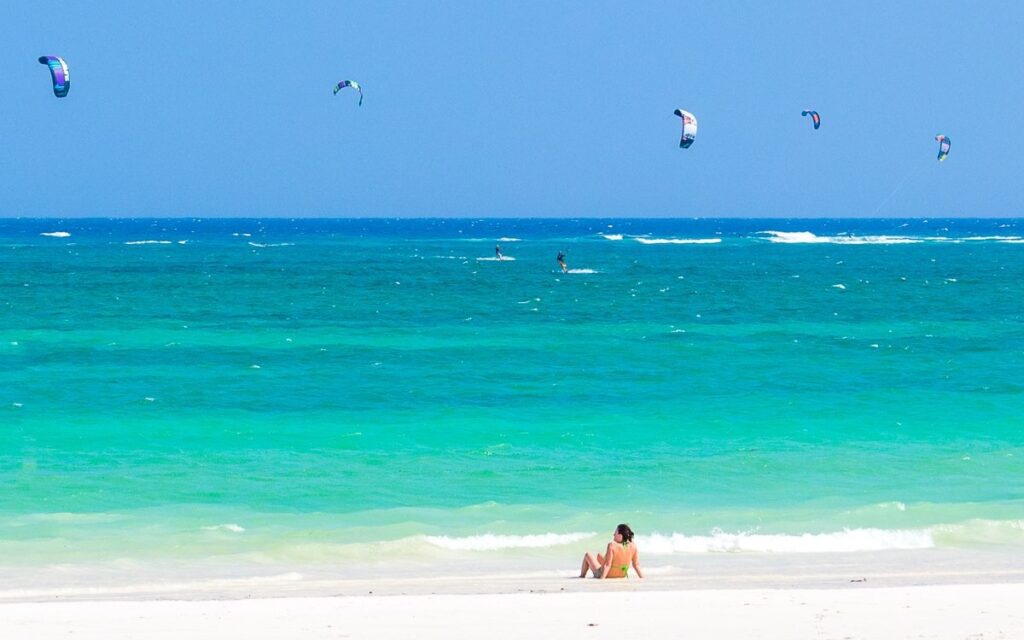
(289, 391)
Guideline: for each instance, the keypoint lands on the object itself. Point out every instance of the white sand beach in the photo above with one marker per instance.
(604, 611)
(935, 594)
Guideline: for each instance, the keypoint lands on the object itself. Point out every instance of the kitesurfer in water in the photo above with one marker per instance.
(497, 252)
(561, 262)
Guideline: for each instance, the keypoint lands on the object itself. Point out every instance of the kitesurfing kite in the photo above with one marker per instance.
(943, 146)
(59, 73)
(689, 128)
(814, 117)
(350, 83)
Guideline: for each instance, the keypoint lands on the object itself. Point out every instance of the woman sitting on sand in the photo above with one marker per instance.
(621, 553)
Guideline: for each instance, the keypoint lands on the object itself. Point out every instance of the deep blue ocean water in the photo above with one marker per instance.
(280, 388)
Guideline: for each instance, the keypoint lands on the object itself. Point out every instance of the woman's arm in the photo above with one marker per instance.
(636, 563)
(607, 561)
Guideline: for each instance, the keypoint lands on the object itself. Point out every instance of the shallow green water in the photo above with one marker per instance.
(212, 396)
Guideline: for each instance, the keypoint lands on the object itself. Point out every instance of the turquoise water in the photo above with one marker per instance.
(279, 388)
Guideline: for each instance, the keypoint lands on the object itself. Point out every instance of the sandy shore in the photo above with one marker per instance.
(954, 594)
(602, 610)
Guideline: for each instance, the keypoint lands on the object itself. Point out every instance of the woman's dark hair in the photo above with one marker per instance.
(624, 531)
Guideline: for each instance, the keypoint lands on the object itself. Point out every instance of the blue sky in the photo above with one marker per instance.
(512, 109)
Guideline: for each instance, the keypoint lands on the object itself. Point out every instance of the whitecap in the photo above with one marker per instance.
(841, 287)
(271, 244)
(611, 236)
(495, 542)
(497, 259)
(503, 239)
(232, 527)
(56, 234)
(807, 237)
(678, 240)
(791, 236)
(896, 504)
(994, 238)
(847, 540)
(148, 242)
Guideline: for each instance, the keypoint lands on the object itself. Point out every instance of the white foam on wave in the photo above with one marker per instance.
(148, 242)
(56, 234)
(993, 238)
(496, 542)
(496, 259)
(232, 527)
(678, 240)
(847, 540)
(611, 236)
(877, 240)
(504, 239)
(1000, 532)
(791, 236)
(894, 504)
(68, 517)
(807, 237)
(840, 286)
(262, 245)
(583, 271)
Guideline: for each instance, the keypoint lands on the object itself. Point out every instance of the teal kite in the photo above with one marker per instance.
(350, 83)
